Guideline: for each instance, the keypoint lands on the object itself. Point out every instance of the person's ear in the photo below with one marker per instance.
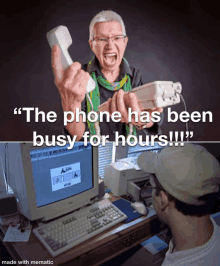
(164, 202)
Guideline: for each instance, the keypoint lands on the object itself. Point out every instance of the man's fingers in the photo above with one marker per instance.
(57, 63)
(79, 77)
(116, 100)
(114, 103)
(84, 82)
(121, 106)
(72, 74)
(122, 101)
(160, 110)
(134, 105)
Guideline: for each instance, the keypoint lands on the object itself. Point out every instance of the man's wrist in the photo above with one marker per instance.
(71, 107)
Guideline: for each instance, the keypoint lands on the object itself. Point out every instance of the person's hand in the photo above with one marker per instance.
(150, 111)
(71, 82)
(121, 102)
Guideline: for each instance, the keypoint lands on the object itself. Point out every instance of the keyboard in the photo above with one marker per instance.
(64, 233)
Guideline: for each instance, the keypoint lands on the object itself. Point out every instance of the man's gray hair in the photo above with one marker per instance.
(104, 16)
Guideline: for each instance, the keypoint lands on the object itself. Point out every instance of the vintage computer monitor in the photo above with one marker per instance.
(52, 181)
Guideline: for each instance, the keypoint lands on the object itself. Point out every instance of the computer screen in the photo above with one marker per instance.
(61, 173)
(51, 181)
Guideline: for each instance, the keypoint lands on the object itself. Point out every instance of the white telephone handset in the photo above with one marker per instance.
(61, 36)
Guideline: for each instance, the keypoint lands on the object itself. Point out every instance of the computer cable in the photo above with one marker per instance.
(184, 103)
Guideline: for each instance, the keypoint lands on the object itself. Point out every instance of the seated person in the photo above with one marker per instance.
(113, 76)
(186, 183)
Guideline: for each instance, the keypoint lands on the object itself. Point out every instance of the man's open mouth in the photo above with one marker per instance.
(110, 58)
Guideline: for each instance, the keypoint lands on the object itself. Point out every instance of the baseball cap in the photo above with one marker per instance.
(185, 172)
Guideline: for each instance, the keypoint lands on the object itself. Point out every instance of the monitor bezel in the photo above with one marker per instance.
(53, 210)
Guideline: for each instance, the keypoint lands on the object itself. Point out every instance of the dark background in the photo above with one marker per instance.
(176, 41)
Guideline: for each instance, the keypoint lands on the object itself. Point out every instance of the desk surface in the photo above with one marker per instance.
(94, 251)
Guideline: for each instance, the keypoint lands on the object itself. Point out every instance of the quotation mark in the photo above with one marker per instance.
(17, 111)
(189, 134)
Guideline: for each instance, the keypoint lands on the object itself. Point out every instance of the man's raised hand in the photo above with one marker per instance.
(121, 102)
(71, 82)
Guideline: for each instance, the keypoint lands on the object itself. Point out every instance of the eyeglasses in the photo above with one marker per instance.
(115, 39)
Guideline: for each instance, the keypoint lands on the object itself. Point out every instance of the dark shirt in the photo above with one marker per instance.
(109, 128)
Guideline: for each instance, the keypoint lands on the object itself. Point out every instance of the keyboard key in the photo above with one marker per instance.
(41, 232)
(94, 221)
(76, 237)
